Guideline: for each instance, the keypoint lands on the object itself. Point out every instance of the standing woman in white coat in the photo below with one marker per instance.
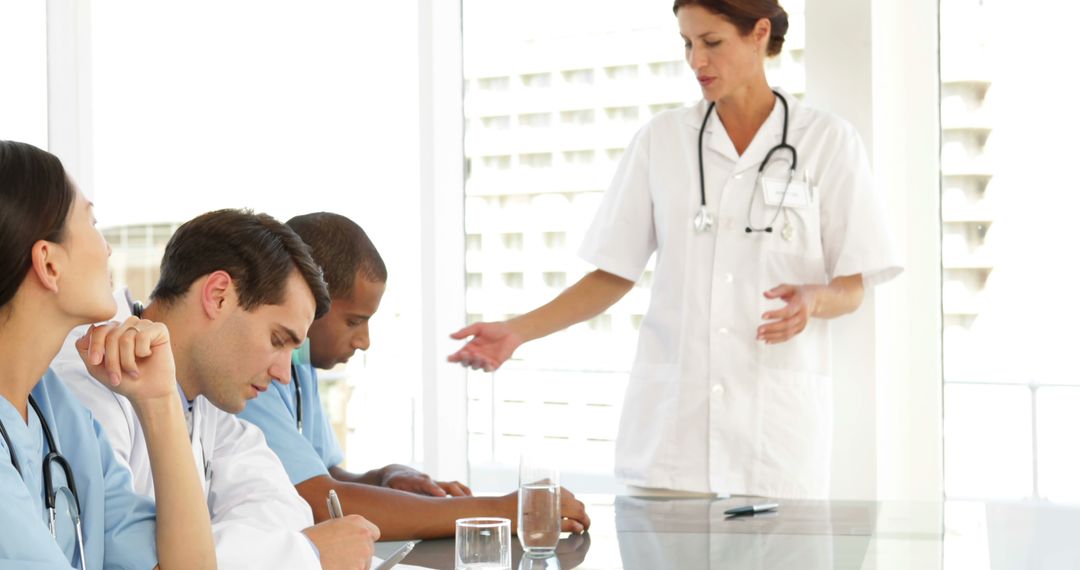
(765, 225)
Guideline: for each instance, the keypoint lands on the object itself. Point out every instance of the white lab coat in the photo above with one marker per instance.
(708, 408)
(255, 511)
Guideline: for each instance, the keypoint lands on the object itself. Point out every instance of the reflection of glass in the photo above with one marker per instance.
(572, 550)
(482, 543)
(538, 507)
(533, 563)
(571, 553)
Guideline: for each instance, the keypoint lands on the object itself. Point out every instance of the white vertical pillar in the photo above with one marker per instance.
(70, 135)
(838, 77)
(907, 164)
(875, 64)
(442, 230)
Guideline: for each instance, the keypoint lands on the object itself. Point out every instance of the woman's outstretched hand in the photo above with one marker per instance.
(491, 345)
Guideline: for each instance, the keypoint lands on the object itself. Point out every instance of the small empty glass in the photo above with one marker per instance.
(482, 543)
(539, 517)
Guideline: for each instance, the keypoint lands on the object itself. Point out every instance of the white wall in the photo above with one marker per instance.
(23, 75)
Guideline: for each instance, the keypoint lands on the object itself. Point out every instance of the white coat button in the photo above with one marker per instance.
(723, 330)
(729, 277)
(738, 177)
(718, 391)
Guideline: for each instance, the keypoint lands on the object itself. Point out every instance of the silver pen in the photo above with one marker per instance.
(334, 505)
(396, 557)
(752, 509)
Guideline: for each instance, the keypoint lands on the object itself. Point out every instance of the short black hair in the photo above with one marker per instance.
(342, 249)
(256, 250)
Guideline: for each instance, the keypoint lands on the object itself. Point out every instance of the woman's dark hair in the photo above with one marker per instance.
(35, 198)
(342, 249)
(257, 251)
(744, 14)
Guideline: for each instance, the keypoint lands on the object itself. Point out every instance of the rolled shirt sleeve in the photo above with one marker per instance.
(622, 236)
(855, 234)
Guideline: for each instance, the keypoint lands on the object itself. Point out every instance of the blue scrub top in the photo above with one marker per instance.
(274, 411)
(118, 526)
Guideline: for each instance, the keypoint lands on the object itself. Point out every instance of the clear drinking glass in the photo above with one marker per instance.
(539, 517)
(482, 543)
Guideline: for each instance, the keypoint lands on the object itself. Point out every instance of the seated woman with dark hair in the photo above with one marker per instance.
(64, 499)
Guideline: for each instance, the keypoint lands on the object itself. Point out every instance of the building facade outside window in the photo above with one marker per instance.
(607, 67)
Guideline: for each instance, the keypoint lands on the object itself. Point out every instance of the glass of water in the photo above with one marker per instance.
(539, 517)
(482, 543)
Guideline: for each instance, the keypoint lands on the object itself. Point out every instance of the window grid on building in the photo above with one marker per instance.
(576, 102)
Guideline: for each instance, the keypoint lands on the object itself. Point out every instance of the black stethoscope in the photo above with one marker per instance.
(299, 402)
(52, 457)
(703, 221)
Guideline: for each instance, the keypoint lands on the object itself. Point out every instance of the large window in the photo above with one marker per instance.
(551, 102)
(282, 107)
(290, 107)
(1011, 387)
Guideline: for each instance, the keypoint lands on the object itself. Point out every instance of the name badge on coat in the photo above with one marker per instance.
(798, 192)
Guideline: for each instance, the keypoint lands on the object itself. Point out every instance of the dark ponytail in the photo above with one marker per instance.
(35, 198)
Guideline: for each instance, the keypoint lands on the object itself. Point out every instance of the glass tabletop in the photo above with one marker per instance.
(635, 533)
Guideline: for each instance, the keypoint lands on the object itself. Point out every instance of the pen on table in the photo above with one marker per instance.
(396, 557)
(334, 505)
(752, 509)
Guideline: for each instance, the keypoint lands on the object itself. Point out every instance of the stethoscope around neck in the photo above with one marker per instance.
(53, 457)
(703, 221)
(299, 402)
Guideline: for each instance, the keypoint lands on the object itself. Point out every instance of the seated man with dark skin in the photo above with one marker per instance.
(404, 503)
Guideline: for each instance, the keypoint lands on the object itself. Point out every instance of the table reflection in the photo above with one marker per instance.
(695, 533)
(439, 554)
(639, 533)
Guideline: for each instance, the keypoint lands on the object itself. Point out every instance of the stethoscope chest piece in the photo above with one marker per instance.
(787, 232)
(703, 221)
